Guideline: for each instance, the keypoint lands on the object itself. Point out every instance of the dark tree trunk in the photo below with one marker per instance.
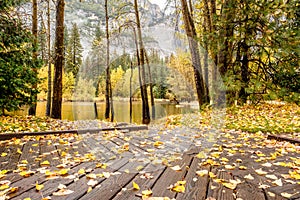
(243, 95)
(32, 109)
(194, 48)
(108, 90)
(59, 60)
(49, 91)
(145, 104)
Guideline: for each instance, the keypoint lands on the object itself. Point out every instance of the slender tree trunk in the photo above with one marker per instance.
(32, 109)
(145, 104)
(151, 87)
(108, 95)
(59, 60)
(130, 92)
(49, 91)
(194, 48)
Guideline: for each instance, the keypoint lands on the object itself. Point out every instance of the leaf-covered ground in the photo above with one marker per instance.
(240, 148)
(267, 117)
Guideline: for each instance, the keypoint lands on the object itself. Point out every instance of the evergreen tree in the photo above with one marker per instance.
(17, 68)
(74, 52)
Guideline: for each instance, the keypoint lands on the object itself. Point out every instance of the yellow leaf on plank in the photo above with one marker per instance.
(288, 195)
(92, 182)
(46, 162)
(106, 174)
(81, 171)
(4, 171)
(179, 188)
(91, 176)
(271, 177)
(89, 189)
(3, 154)
(176, 168)
(63, 192)
(261, 172)
(201, 155)
(28, 198)
(158, 144)
(147, 192)
(202, 172)
(63, 172)
(230, 167)
(39, 187)
(212, 175)
(135, 186)
(19, 151)
(278, 182)
(249, 176)
(229, 185)
(26, 173)
(242, 167)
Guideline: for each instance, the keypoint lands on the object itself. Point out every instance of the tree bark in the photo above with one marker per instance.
(59, 60)
(108, 91)
(32, 109)
(151, 87)
(145, 104)
(194, 49)
(49, 91)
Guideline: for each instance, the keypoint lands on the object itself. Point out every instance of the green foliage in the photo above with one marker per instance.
(74, 52)
(6, 4)
(17, 67)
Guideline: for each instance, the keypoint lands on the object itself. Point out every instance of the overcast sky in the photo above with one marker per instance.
(161, 3)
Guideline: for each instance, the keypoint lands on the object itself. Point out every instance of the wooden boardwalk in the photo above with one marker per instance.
(108, 165)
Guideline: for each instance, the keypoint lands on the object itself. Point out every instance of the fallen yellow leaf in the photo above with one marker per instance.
(135, 185)
(38, 187)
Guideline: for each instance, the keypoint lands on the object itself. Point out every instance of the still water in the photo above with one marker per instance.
(86, 111)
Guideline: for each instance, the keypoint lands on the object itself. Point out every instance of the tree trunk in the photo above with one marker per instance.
(194, 49)
(59, 60)
(32, 109)
(130, 92)
(145, 104)
(108, 94)
(49, 91)
(151, 87)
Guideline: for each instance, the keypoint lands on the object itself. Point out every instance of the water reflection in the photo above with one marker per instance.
(85, 111)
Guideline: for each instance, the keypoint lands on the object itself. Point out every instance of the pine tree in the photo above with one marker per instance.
(74, 52)
(17, 68)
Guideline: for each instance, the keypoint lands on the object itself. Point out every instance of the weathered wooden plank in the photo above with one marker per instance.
(48, 152)
(80, 187)
(98, 149)
(170, 177)
(14, 155)
(284, 138)
(29, 153)
(288, 188)
(110, 187)
(50, 186)
(143, 182)
(248, 191)
(9, 136)
(217, 190)
(195, 190)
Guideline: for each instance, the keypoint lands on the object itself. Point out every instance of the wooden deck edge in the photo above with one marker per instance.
(8, 136)
(283, 138)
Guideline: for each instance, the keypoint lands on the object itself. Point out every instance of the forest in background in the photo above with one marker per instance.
(251, 52)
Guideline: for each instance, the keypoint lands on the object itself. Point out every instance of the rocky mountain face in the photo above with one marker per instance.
(158, 27)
